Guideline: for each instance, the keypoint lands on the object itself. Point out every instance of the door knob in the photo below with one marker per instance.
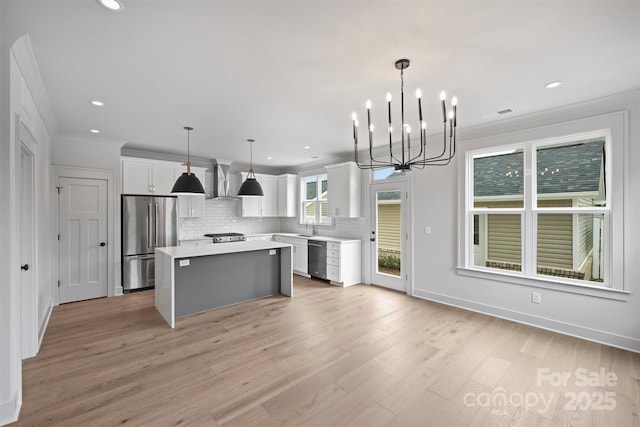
(373, 239)
(24, 267)
(103, 244)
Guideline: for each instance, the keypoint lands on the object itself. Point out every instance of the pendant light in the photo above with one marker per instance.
(187, 183)
(251, 187)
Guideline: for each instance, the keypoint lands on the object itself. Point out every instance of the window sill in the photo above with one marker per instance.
(545, 283)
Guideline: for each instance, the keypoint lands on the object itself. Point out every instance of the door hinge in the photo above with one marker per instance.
(58, 236)
(58, 188)
(58, 283)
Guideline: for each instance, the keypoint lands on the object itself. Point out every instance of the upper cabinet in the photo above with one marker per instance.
(287, 195)
(260, 206)
(343, 190)
(142, 176)
(270, 200)
(278, 200)
(157, 177)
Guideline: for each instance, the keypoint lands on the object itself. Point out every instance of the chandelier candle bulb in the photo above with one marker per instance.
(443, 97)
(354, 117)
(389, 107)
(454, 102)
(451, 122)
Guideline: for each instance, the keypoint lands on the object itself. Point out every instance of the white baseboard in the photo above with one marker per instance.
(10, 409)
(601, 337)
(45, 323)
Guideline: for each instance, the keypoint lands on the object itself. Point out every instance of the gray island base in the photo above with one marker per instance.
(193, 279)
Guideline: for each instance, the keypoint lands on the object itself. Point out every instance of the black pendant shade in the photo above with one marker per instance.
(250, 187)
(187, 183)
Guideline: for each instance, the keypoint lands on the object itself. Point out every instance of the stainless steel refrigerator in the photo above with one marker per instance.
(147, 222)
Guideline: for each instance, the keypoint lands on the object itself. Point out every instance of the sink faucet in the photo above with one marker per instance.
(313, 230)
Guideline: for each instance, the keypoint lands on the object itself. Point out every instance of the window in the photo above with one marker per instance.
(542, 210)
(314, 200)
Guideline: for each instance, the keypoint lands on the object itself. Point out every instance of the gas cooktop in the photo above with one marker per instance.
(226, 237)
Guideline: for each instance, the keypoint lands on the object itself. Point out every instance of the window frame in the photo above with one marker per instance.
(318, 202)
(612, 128)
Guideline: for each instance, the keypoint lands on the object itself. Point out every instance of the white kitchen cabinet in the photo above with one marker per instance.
(287, 195)
(143, 176)
(270, 199)
(191, 206)
(261, 206)
(300, 253)
(344, 263)
(343, 190)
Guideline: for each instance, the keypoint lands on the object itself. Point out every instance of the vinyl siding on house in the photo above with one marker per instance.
(585, 233)
(555, 235)
(555, 240)
(503, 243)
(389, 233)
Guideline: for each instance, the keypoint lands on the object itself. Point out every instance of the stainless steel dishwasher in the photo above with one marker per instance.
(317, 259)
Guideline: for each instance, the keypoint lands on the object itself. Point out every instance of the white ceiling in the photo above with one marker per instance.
(289, 73)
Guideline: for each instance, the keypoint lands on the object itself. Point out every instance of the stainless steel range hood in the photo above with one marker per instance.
(221, 180)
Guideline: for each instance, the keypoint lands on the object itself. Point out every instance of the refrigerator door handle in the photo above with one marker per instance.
(156, 223)
(149, 226)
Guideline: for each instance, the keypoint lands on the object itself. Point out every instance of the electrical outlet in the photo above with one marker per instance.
(427, 230)
(536, 297)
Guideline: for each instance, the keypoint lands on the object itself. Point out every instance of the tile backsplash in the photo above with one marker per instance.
(221, 216)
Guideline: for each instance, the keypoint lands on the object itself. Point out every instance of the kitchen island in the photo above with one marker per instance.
(193, 279)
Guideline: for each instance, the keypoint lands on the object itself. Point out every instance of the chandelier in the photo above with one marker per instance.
(405, 160)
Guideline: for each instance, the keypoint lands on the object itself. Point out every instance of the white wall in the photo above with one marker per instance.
(10, 387)
(21, 99)
(435, 257)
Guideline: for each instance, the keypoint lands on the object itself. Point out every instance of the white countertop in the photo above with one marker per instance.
(220, 248)
(321, 238)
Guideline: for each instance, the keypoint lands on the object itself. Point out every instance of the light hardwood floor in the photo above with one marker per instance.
(361, 355)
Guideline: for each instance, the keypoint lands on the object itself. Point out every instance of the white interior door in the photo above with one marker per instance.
(389, 234)
(83, 238)
(28, 284)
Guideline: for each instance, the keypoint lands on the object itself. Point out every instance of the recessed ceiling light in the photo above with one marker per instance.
(269, 158)
(306, 147)
(551, 85)
(113, 5)
(97, 103)
(94, 131)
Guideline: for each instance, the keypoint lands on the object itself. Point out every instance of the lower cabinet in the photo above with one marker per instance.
(343, 263)
(301, 257)
(300, 253)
